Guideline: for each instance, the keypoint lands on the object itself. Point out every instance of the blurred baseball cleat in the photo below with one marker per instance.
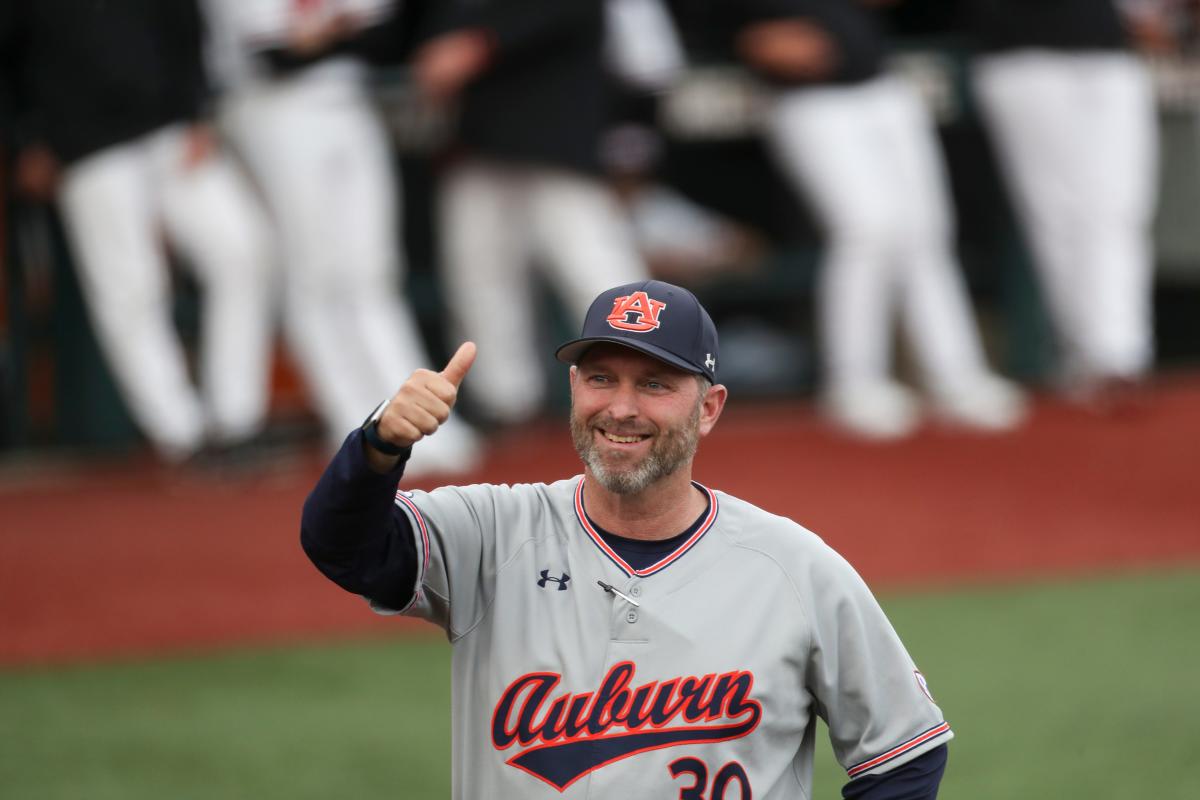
(1109, 396)
(877, 410)
(986, 403)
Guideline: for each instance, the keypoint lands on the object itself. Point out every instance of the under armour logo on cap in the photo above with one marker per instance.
(654, 317)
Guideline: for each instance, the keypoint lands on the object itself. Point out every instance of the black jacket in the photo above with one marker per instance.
(544, 97)
(93, 73)
(998, 25)
(8, 71)
(710, 27)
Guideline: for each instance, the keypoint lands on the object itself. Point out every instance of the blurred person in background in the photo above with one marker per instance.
(298, 109)
(860, 146)
(111, 122)
(522, 182)
(677, 238)
(1071, 113)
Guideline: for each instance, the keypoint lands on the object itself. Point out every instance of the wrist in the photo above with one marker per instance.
(374, 438)
(376, 442)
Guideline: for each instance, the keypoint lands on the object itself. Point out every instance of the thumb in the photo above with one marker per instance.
(460, 363)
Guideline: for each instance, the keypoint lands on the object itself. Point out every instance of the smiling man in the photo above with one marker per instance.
(628, 632)
(631, 443)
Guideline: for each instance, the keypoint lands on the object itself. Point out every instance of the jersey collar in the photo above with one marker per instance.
(665, 561)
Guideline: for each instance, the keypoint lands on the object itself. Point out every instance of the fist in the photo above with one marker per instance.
(424, 401)
(790, 49)
(36, 173)
(446, 64)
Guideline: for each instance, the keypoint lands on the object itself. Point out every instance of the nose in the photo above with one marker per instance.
(623, 403)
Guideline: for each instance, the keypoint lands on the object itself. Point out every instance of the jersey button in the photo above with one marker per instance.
(636, 590)
(631, 617)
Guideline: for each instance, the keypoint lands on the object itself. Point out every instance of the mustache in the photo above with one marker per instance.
(612, 426)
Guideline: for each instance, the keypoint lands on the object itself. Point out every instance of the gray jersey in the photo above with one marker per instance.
(739, 640)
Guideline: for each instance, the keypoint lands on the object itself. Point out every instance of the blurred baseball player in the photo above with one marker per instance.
(627, 632)
(859, 144)
(1071, 113)
(297, 108)
(114, 129)
(522, 190)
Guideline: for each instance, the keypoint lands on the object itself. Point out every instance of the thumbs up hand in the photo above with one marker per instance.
(423, 403)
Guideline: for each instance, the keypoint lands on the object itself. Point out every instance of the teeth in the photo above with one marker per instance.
(612, 437)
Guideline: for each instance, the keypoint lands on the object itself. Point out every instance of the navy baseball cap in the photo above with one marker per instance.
(654, 317)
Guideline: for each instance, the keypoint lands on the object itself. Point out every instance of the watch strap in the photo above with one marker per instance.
(370, 430)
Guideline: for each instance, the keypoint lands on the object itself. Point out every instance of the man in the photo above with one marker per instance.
(111, 123)
(856, 141)
(298, 109)
(1071, 113)
(521, 184)
(628, 632)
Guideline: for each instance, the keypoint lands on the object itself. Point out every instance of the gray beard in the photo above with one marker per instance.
(671, 450)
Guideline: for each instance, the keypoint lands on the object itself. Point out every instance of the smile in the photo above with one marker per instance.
(629, 439)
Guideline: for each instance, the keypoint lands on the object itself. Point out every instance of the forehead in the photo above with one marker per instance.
(606, 355)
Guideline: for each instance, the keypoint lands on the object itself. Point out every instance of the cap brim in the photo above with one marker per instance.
(572, 351)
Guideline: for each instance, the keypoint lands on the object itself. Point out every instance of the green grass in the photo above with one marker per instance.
(1081, 690)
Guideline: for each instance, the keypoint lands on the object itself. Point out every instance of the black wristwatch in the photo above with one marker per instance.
(371, 433)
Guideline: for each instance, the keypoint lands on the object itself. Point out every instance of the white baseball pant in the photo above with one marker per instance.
(866, 158)
(1077, 137)
(116, 205)
(322, 159)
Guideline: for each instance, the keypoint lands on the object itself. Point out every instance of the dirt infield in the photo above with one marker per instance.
(126, 560)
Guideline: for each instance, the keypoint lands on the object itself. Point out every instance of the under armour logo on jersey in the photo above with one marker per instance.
(636, 312)
(562, 582)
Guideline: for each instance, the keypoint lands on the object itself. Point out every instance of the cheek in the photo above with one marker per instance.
(584, 405)
(589, 400)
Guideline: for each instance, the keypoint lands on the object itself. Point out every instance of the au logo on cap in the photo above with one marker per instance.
(636, 312)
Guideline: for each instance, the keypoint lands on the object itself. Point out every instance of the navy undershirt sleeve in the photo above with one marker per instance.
(353, 532)
(916, 780)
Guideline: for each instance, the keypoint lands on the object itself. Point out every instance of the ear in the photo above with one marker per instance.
(711, 407)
